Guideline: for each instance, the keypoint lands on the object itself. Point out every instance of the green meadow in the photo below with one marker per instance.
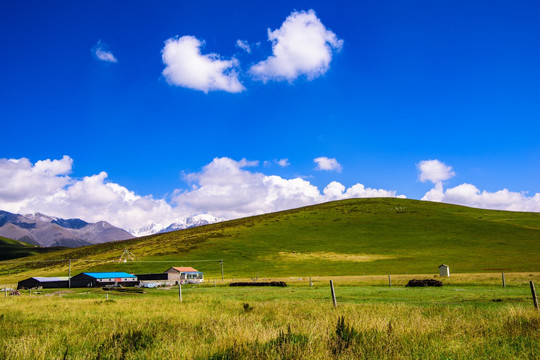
(461, 320)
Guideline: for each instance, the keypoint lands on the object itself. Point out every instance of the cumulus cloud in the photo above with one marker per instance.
(47, 187)
(225, 188)
(324, 163)
(244, 45)
(434, 171)
(101, 52)
(301, 46)
(469, 195)
(185, 66)
(20, 180)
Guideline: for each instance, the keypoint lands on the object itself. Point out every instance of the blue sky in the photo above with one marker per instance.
(406, 82)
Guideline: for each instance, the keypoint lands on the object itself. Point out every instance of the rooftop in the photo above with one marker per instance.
(50, 278)
(106, 275)
(185, 269)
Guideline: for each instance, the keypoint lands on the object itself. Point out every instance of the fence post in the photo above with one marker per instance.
(180, 291)
(333, 293)
(503, 280)
(533, 291)
(214, 282)
(389, 280)
(310, 282)
(222, 278)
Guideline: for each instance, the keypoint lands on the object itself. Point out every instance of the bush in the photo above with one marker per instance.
(344, 337)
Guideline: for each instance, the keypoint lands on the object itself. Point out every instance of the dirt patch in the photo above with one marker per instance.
(332, 256)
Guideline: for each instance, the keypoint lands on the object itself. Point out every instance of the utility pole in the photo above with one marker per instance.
(69, 275)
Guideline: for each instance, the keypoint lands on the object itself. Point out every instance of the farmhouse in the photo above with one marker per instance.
(163, 278)
(99, 279)
(43, 283)
(185, 275)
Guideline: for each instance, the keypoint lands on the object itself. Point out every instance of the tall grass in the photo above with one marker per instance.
(297, 323)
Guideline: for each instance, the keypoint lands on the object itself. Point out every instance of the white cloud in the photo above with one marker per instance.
(283, 162)
(102, 53)
(470, 195)
(185, 66)
(225, 189)
(244, 45)
(20, 180)
(435, 194)
(324, 163)
(46, 187)
(301, 46)
(434, 171)
(336, 191)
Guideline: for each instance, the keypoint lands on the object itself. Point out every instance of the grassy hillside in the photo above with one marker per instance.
(349, 237)
(12, 249)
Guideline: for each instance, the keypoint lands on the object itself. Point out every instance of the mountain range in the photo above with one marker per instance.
(43, 230)
(188, 222)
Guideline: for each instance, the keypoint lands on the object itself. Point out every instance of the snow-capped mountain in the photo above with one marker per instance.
(188, 222)
(44, 230)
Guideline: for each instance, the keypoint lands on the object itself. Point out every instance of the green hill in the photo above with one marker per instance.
(12, 249)
(349, 237)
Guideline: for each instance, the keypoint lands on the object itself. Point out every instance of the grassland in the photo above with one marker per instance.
(471, 317)
(350, 237)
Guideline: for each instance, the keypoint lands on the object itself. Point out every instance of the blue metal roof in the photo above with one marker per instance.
(50, 279)
(107, 275)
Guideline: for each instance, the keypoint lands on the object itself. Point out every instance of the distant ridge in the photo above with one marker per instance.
(47, 231)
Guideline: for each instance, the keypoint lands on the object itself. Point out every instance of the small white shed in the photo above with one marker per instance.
(444, 270)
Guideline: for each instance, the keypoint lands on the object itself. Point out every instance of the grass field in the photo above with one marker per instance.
(349, 237)
(470, 317)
